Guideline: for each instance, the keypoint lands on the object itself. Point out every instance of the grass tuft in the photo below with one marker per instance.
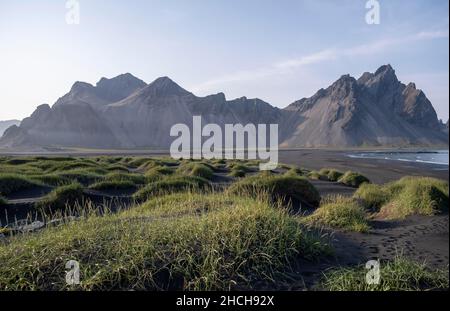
(61, 197)
(372, 196)
(340, 212)
(293, 172)
(317, 176)
(353, 179)
(397, 275)
(113, 185)
(279, 187)
(195, 169)
(405, 197)
(171, 185)
(334, 175)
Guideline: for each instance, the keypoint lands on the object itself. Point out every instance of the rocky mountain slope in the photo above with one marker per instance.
(125, 112)
(6, 124)
(376, 109)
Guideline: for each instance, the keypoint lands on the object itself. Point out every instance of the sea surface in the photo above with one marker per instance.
(439, 157)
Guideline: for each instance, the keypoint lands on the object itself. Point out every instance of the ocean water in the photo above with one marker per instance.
(429, 156)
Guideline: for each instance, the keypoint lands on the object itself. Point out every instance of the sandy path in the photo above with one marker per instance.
(420, 238)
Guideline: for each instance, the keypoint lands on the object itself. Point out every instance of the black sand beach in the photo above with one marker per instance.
(377, 170)
(423, 239)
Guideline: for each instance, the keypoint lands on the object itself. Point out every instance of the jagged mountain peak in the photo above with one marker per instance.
(385, 69)
(383, 74)
(344, 80)
(124, 79)
(120, 87)
(164, 86)
(79, 86)
(106, 91)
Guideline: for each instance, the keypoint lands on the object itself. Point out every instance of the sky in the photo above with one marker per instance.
(276, 50)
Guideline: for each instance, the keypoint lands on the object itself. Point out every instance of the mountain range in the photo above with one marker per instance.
(125, 112)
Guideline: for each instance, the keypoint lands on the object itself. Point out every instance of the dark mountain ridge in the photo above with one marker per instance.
(125, 112)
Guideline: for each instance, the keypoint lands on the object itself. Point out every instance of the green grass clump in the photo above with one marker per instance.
(353, 179)
(10, 183)
(3, 201)
(50, 179)
(324, 171)
(342, 213)
(159, 170)
(195, 169)
(218, 162)
(171, 185)
(113, 185)
(141, 162)
(216, 242)
(71, 165)
(405, 197)
(317, 176)
(156, 173)
(416, 196)
(397, 275)
(117, 168)
(239, 167)
(294, 171)
(334, 175)
(237, 173)
(83, 176)
(278, 187)
(61, 197)
(372, 196)
(118, 176)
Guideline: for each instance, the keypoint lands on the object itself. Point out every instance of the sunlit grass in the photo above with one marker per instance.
(184, 241)
(397, 275)
(341, 213)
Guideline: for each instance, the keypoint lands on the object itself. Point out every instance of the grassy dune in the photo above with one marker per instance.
(171, 185)
(61, 197)
(182, 241)
(405, 197)
(12, 182)
(184, 233)
(340, 212)
(278, 187)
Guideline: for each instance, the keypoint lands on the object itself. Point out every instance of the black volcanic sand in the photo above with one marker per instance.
(424, 239)
(377, 170)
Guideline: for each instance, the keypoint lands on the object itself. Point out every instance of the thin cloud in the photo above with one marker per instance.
(432, 34)
(326, 55)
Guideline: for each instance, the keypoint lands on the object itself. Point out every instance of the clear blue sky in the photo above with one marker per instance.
(279, 51)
